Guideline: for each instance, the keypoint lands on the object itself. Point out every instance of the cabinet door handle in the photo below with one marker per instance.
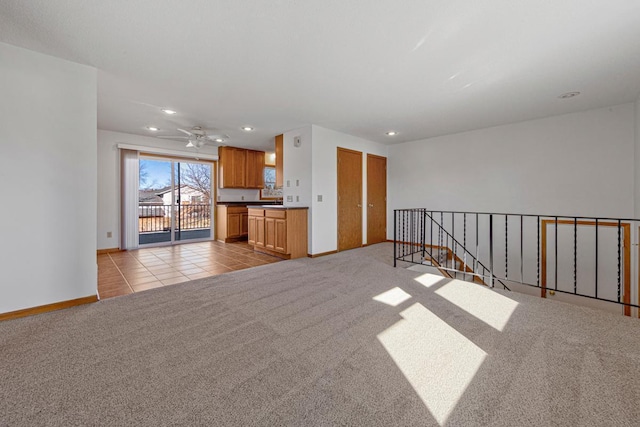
(370, 205)
(359, 205)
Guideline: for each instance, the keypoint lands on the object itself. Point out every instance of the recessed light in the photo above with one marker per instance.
(167, 111)
(153, 128)
(219, 140)
(392, 133)
(247, 128)
(569, 95)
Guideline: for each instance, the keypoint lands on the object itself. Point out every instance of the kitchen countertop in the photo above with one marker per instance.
(250, 203)
(281, 207)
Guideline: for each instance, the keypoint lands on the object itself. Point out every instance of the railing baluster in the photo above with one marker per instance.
(395, 237)
(464, 245)
(431, 238)
(506, 247)
(556, 256)
(575, 255)
(521, 251)
(538, 249)
(596, 258)
(453, 250)
(491, 250)
(441, 238)
(619, 259)
(404, 235)
(412, 231)
(475, 261)
(424, 234)
(446, 260)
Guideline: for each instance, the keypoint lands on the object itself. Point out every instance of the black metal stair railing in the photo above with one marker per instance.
(415, 226)
(461, 265)
(544, 251)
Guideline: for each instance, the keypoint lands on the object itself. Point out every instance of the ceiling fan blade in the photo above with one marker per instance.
(173, 137)
(186, 131)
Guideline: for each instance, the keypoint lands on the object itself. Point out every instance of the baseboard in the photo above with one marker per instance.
(272, 253)
(108, 251)
(322, 254)
(48, 307)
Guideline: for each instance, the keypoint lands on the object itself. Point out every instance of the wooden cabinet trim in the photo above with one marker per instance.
(269, 213)
(256, 212)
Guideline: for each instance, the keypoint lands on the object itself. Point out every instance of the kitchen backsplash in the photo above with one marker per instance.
(237, 195)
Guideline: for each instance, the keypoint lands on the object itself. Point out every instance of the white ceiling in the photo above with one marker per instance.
(421, 67)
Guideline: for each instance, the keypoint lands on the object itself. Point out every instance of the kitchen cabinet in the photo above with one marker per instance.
(279, 231)
(270, 233)
(240, 168)
(244, 224)
(260, 241)
(232, 167)
(232, 223)
(279, 161)
(255, 169)
(251, 225)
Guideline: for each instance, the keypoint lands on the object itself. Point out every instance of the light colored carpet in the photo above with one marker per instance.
(339, 340)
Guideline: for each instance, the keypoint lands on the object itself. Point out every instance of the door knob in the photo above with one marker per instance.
(370, 205)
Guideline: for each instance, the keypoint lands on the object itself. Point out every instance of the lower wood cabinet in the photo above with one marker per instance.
(279, 231)
(232, 223)
(251, 225)
(259, 236)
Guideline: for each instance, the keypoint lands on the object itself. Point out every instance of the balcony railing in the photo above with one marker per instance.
(158, 218)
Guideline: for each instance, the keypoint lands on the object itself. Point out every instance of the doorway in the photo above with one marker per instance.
(174, 201)
(376, 199)
(349, 199)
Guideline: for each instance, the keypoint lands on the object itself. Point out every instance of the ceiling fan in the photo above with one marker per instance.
(197, 137)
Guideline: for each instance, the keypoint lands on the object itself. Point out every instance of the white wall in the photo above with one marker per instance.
(573, 164)
(325, 183)
(238, 195)
(296, 170)
(297, 167)
(48, 155)
(109, 178)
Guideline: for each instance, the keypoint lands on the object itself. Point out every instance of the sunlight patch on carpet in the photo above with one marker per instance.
(437, 360)
(392, 297)
(428, 279)
(481, 302)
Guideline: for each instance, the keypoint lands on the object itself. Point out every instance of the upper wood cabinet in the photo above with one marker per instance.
(240, 168)
(255, 169)
(279, 161)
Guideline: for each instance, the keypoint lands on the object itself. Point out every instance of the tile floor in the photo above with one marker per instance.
(121, 273)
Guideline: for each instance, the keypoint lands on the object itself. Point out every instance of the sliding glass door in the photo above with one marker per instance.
(174, 201)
